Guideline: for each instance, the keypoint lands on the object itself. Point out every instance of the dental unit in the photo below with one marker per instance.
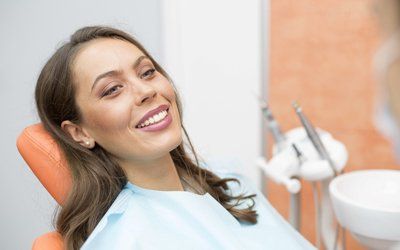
(354, 199)
(309, 154)
(345, 199)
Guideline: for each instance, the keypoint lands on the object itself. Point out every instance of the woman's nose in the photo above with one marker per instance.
(144, 92)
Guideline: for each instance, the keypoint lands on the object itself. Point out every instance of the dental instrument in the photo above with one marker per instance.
(314, 137)
(319, 146)
(273, 125)
(292, 184)
(299, 154)
(295, 199)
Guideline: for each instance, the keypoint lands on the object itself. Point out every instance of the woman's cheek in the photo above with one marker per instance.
(168, 91)
(113, 118)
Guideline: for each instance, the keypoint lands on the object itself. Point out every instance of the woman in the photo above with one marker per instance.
(117, 116)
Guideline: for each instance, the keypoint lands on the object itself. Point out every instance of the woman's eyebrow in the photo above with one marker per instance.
(116, 72)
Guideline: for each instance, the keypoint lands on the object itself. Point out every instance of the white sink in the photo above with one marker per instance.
(367, 203)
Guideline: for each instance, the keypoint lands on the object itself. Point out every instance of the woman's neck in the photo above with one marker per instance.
(160, 174)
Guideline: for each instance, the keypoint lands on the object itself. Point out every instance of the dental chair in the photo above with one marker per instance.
(47, 162)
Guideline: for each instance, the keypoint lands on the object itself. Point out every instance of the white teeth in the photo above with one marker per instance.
(154, 119)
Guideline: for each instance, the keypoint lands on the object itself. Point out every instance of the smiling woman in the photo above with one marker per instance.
(117, 117)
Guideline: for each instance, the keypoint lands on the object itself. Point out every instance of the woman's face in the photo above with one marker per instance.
(116, 86)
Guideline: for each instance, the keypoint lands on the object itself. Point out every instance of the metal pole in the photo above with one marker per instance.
(294, 212)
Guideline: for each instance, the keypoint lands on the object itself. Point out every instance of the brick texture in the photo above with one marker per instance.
(321, 55)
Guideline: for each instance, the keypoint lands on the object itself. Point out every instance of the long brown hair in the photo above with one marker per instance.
(97, 179)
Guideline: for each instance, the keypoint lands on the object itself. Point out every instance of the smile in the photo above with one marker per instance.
(157, 122)
(154, 119)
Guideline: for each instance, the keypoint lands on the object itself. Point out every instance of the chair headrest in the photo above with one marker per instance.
(46, 160)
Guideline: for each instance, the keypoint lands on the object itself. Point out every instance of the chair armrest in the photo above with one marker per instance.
(48, 241)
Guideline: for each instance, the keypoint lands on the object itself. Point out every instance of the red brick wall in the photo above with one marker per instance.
(320, 55)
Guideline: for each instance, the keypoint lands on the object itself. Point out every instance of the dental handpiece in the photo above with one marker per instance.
(273, 126)
(314, 137)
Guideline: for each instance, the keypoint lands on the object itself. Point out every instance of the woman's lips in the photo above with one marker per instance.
(164, 123)
(152, 113)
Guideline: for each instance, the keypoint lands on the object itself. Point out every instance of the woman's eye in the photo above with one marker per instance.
(148, 73)
(110, 91)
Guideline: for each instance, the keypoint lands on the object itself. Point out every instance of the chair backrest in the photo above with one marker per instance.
(46, 160)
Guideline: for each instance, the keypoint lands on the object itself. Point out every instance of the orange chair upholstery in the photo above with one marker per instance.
(48, 241)
(48, 163)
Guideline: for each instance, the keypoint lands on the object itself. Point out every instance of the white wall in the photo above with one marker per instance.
(30, 32)
(213, 51)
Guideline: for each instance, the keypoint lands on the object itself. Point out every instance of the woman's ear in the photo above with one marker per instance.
(77, 133)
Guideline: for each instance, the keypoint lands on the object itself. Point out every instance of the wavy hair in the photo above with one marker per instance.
(97, 179)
